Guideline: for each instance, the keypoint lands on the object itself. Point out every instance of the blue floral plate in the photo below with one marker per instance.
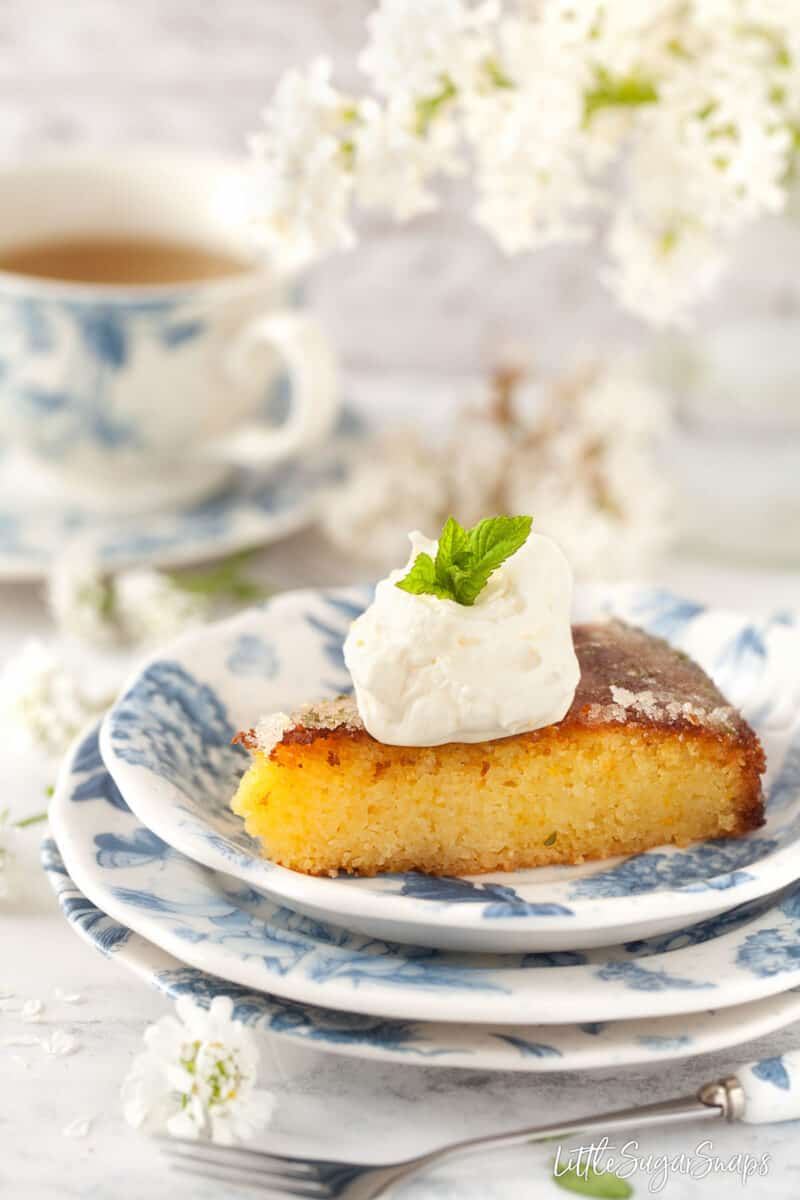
(222, 925)
(167, 743)
(254, 510)
(511, 1048)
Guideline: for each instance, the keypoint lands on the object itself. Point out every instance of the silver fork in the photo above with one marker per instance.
(757, 1093)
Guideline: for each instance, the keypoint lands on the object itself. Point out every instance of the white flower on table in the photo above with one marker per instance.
(80, 596)
(197, 1076)
(149, 606)
(301, 158)
(98, 609)
(43, 698)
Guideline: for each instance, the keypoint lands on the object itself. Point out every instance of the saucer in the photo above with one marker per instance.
(167, 743)
(252, 510)
(219, 924)
(528, 1048)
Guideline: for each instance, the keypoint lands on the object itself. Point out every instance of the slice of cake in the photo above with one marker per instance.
(649, 752)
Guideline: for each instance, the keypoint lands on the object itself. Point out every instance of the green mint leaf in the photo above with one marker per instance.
(602, 1184)
(494, 540)
(491, 542)
(453, 540)
(421, 579)
(466, 558)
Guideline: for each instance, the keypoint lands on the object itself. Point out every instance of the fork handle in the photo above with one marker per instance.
(666, 1112)
(758, 1093)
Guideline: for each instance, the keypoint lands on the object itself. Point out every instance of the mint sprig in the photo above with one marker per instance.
(466, 558)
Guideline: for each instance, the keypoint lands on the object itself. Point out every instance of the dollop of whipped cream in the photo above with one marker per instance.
(428, 671)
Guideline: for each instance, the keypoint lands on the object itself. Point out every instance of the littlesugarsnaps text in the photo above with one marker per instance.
(628, 1160)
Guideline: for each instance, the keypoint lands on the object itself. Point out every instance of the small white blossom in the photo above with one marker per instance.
(414, 47)
(80, 596)
(149, 607)
(393, 164)
(43, 698)
(666, 266)
(303, 170)
(197, 1076)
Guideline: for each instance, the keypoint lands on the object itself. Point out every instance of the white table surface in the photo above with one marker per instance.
(335, 1105)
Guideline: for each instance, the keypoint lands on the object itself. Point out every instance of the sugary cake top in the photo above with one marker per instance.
(628, 677)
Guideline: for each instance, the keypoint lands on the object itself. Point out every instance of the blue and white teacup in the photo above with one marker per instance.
(122, 398)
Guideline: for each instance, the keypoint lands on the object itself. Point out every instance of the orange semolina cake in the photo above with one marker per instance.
(649, 752)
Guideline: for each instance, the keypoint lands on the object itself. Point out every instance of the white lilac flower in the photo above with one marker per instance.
(43, 698)
(302, 164)
(666, 267)
(393, 164)
(149, 607)
(697, 100)
(197, 1076)
(415, 47)
(80, 597)
(530, 180)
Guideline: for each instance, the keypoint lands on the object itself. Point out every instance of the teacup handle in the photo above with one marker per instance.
(307, 352)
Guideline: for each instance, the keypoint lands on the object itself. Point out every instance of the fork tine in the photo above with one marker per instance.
(245, 1177)
(212, 1151)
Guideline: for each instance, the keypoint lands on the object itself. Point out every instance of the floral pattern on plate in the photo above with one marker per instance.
(222, 925)
(517, 1048)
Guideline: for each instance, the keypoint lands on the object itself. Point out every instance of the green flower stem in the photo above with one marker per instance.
(34, 820)
(610, 91)
(225, 580)
(429, 108)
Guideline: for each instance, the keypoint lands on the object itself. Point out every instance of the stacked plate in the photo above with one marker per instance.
(668, 953)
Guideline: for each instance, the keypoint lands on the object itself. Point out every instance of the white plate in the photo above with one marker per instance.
(513, 1048)
(167, 744)
(218, 924)
(253, 510)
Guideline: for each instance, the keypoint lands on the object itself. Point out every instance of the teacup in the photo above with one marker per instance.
(120, 396)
